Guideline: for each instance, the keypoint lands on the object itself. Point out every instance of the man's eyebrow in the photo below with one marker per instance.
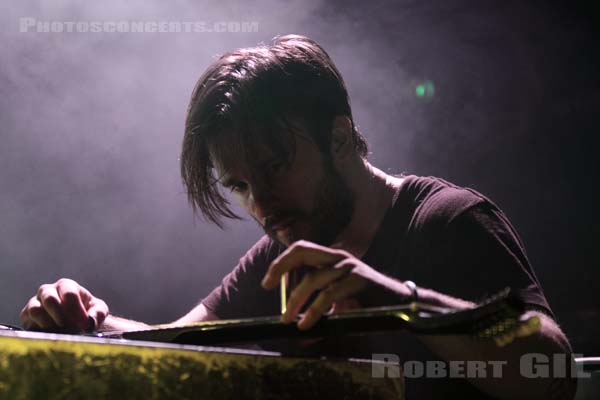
(226, 180)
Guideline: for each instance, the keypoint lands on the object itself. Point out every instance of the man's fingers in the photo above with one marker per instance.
(342, 289)
(40, 319)
(97, 309)
(72, 305)
(311, 282)
(97, 312)
(50, 301)
(34, 317)
(344, 305)
(298, 254)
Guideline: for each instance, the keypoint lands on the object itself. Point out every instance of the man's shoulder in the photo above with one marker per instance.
(437, 201)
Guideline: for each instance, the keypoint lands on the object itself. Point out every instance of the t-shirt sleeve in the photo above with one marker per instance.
(485, 250)
(240, 294)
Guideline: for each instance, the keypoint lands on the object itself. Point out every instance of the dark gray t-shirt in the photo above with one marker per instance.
(443, 237)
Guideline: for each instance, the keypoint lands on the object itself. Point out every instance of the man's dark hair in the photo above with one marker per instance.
(255, 94)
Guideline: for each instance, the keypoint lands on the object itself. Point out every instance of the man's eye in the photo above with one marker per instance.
(238, 187)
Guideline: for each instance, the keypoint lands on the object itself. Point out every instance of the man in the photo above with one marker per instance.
(273, 125)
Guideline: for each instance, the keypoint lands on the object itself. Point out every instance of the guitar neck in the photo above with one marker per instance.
(491, 317)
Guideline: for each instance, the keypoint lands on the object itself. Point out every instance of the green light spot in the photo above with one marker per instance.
(425, 89)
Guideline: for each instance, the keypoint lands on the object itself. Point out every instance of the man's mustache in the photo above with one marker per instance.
(276, 218)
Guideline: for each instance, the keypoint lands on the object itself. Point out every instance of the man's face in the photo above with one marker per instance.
(307, 199)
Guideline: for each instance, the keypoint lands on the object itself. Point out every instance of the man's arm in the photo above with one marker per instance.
(197, 314)
(114, 323)
(549, 341)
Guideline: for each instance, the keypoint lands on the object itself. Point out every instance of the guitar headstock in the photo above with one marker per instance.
(506, 320)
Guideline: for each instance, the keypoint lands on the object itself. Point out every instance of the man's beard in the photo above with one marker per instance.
(332, 211)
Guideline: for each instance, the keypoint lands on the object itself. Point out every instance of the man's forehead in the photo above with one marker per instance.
(231, 156)
(253, 148)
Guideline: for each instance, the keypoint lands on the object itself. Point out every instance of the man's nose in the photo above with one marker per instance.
(260, 202)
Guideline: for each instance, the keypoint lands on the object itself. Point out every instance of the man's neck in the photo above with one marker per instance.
(373, 193)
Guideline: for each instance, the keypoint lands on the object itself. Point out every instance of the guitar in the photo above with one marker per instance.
(498, 318)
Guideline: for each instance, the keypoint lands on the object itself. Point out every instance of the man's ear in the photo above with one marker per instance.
(342, 144)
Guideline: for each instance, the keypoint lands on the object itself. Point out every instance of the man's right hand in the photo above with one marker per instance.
(63, 306)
